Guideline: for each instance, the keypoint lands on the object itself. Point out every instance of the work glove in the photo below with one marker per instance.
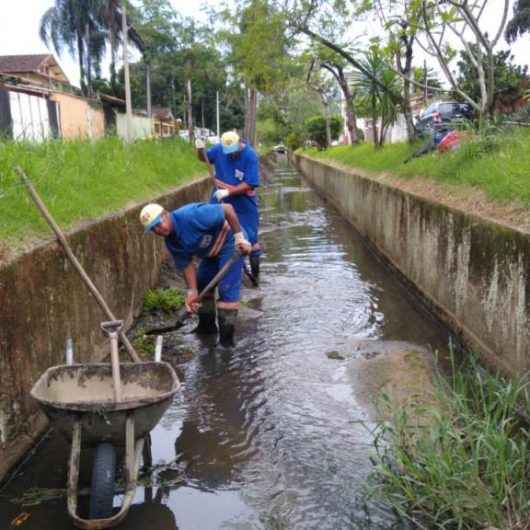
(242, 244)
(199, 144)
(221, 194)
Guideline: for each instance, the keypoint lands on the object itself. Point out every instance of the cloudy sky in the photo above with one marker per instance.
(19, 33)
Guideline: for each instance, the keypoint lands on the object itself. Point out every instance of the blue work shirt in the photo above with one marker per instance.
(199, 229)
(234, 171)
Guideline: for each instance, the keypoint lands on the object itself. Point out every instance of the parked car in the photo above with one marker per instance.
(443, 112)
(280, 148)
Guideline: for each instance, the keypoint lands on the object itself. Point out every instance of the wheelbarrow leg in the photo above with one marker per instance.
(133, 454)
(73, 469)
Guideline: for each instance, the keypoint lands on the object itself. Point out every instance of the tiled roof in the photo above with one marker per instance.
(21, 63)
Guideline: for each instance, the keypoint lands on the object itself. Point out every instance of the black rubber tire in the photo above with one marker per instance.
(103, 481)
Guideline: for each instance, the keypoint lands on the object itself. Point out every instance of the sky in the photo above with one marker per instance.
(19, 30)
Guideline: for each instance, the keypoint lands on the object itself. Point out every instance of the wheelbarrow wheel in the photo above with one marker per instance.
(103, 479)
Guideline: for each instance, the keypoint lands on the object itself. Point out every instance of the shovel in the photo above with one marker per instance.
(183, 313)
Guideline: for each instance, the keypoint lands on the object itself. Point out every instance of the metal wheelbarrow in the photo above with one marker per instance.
(106, 405)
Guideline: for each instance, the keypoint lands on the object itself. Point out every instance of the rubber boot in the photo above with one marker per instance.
(227, 324)
(206, 313)
(254, 267)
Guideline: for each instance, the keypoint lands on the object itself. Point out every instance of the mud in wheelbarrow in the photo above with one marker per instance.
(79, 400)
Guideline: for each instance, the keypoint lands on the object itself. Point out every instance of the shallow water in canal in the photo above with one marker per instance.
(272, 434)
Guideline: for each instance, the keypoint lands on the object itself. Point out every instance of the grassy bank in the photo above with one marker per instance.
(469, 467)
(83, 180)
(497, 164)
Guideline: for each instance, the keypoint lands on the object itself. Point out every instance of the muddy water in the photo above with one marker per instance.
(274, 434)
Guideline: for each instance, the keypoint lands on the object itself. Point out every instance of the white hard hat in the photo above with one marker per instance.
(230, 142)
(150, 216)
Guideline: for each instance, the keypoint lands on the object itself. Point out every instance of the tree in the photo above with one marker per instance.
(322, 130)
(84, 28)
(72, 25)
(258, 53)
(375, 102)
(334, 64)
(464, 21)
(509, 78)
(520, 23)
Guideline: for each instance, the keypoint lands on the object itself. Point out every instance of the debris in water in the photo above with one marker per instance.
(335, 355)
(20, 519)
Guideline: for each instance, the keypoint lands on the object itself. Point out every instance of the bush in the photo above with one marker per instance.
(316, 129)
(294, 140)
(165, 299)
(467, 467)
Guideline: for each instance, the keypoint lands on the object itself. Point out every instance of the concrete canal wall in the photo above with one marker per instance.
(475, 274)
(43, 301)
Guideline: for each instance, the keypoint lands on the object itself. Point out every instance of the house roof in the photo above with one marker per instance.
(163, 113)
(21, 63)
(34, 63)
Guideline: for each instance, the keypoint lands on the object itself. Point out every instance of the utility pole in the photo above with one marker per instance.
(190, 113)
(425, 83)
(128, 103)
(217, 115)
(148, 88)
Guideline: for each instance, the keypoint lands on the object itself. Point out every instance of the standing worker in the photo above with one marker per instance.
(236, 179)
(211, 232)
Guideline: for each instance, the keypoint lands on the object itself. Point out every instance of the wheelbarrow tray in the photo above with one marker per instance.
(84, 392)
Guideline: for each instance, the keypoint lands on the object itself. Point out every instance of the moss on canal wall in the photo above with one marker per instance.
(472, 272)
(43, 301)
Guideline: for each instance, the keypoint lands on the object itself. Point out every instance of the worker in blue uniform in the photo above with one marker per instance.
(236, 179)
(211, 232)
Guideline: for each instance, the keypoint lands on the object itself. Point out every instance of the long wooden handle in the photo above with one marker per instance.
(75, 262)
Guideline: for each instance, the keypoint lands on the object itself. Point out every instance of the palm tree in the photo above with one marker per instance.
(84, 27)
(109, 15)
(376, 93)
(73, 24)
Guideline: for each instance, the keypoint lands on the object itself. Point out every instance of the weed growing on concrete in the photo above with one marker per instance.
(167, 300)
(144, 344)
(468, 466)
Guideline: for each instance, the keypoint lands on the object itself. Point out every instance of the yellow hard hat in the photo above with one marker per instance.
(230, 142)
(150, 216)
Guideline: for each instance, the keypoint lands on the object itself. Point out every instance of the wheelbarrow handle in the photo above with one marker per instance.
(111, 326)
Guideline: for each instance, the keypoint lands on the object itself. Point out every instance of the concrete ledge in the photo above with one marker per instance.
(43, 301)
(472, 272)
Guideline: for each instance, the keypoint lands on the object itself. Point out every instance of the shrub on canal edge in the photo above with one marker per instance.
(468, 466)
(83, 179)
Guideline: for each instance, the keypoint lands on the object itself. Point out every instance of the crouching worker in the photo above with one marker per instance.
(211, 232)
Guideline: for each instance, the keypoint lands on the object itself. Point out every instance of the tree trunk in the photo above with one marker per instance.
(406, 72)
(328, 124)
(351, 118)
(491, 85)
(88, 60)
(113, 83)
(81, 58)
(249, 131)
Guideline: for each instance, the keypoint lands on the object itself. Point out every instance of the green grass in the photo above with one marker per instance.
(497, 164)
(84, 180)
(467, 467)
(167, 300)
